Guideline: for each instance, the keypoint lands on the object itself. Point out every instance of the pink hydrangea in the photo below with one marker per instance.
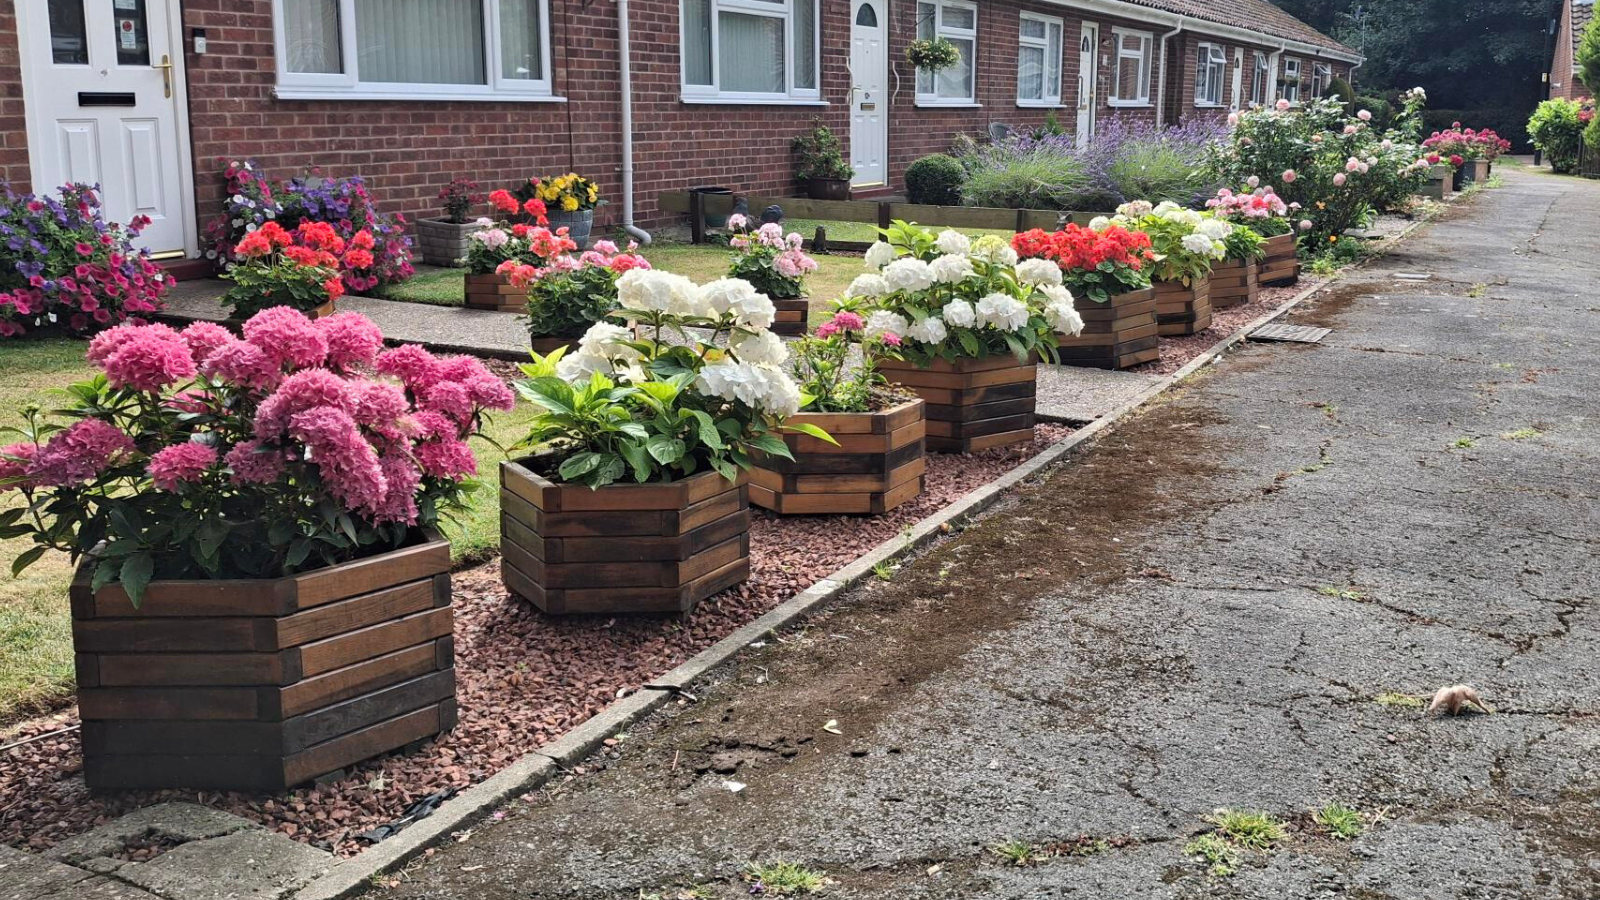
(448, 397)
(243, 365)
(353, 340)
(446, 458)
(348, 464)
(400, 501)
(380, 407)
(489, 392)
(79, 453)
(253, 462)
(432, 424)
(148, 359)
(14, 463)
(411, 363)
(204, 337)
(301, 391)
(106, 342)
(180, 464)
(287, 336)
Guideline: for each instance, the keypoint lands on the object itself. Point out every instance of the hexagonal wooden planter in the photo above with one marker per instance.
(1182, 309)
(791, 318)
(879, 463)
(625, 547)
(495, 291)
(1117, 334)
(1234, 282)
(1281, 265)
(972, 404)
(259, 685)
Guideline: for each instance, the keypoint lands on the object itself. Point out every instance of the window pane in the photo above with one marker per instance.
(955, 82)
(750, 53)
(1032, 28)
(805, 43)
(133, 35)
(69, 37)
(1128, 71)
(866, 16)
(925, 20)
(521, 39)
(420, 41)
(311, 31)
(1030, 73)
(697, 42)
(959, 17)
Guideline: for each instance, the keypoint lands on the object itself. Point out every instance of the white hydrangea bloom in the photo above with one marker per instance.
(1215, 229)
(1099, 223)
(1038, 271)
(760, 348)
(879, 255)
(867, 285)
(754, 310)
(1199, 244)
(577, 367)
(1165, 207)
(960, 314)
(1060, 311)
(929, 331)
(656, 290)
(908, 274)
(762, 387)
(605, 339)
(724, 294)
(883, 322)
(1183, 216)
(1135, 209)
(1002, 311)
(993, 250)
(951, 268)
(953, 242)
(783, 395)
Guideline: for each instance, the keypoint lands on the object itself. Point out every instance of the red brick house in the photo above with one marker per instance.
(152, 97)
(1564, 81)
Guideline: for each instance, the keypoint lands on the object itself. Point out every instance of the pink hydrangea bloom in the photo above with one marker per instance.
(287, 336)
(380, 407)
(106, 342)
(448, 397)
(204, 337)
(432, 424)
(299, 392)
(353, 340)
(489, 392)
(460, 368)
(255, 463)
(410, 363)
(849, 321)
(14, 462)
(349, 465)
(400, 501)
(242, 365)
(79, 453)
(446, 459)
(149, 360)
(180, 464)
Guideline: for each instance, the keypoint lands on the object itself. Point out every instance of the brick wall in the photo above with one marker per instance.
(1563, 83)
(13, 120)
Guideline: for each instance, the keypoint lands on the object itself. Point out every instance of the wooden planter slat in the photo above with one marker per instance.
(791, 316)
(493, 291)
(1182, 310)
(172, 669)
(1234, 282)
(1281, 265)
(354, 680)
(376, 640)
(883, 453)
(1117, 334)
(962, 398)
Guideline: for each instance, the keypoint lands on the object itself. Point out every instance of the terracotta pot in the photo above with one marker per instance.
(972, 404)
(879, 463)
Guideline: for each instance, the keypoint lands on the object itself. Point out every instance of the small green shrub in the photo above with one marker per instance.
(1156, 171)
(1339, 821)
(1381, 109)
(1556, 129)
(1340, 90)
(1028, 181)
(935, 180)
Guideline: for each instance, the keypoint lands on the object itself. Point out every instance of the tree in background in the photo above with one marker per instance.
(1589, 57)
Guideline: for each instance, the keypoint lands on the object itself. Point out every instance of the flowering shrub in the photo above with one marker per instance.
(566, 193)
(949, 297)
(458, 197)
(829, 382)
(769, 259)
(567, 294)
(1556, 127)
(1467, 143)
(658, 409)
(298, 269)
(1098, 262)
(196, 454)
(61, 263)
(1261, 209)
(1186, 243)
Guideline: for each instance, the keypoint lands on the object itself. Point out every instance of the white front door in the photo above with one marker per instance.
(1088, 79)
(869, 97)
(101, 81)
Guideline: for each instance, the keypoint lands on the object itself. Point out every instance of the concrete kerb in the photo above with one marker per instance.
(537, 767)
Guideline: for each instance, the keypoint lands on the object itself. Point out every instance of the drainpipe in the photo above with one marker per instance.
(623, 50)
(1161, 97)
(1274, 89)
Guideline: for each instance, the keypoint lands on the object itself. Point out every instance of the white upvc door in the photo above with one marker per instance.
(1088, 78)
(869, 95)
(102, 82)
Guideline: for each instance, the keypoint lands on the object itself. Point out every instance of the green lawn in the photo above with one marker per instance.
(438, 286)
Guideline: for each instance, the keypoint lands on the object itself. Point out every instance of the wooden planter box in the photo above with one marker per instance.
(1438, 184)
(1234, 282)
(791, 318)
(1182, 310)
(494, 291)
(1117, 334)
(625, 547)
(1475, 171)
(259, 685)
(972, 404)
(880, 463)
(442, 242)
(544, 346)
(1281, 265)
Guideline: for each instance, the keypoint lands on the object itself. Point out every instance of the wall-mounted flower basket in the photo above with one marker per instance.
(1181, 309)
(932, 54)
(878, 463)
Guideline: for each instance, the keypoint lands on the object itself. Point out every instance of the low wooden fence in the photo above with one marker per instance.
(1588, 160)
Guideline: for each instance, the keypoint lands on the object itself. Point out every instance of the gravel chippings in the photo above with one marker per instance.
(523, 678)
(1177, 351)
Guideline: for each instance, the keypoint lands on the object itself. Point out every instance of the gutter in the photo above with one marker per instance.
(625, 54)
(1140, 13)
(1161, 98)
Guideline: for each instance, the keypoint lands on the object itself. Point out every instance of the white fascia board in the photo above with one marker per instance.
(1138, 13)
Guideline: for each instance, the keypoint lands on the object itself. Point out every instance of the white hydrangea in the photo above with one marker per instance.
(724, 294)
(951, 269)
(993, 250)
(1199, 244)
(879, 255)
(575, 368)
(656, 290)
(1099, 223)
(1038, 271)
(754, 310)
(1135, 209)
(1165, 207)
(953, 242)
(1003, 311)
(1060, 311)
(929, 331)
(760, 348)
(883, 322)
(1183, 216)
(960, 314)
(867, 285)
(763, 387)
(1215, 229)
(908, 274)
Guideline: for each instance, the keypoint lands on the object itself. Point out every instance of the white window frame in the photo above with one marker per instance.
(940, 29)
(1146, 58)
(1051, 97)
(1321, 77)
(791, 95)
(1291, 92)
(1210, 73)
(347, 85)
(1261, 77)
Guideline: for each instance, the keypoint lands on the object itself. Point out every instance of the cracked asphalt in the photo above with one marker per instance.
(1199, 611)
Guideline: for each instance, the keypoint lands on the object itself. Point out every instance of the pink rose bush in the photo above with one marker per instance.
(198, 454)
(769, 259)
(1260, 208)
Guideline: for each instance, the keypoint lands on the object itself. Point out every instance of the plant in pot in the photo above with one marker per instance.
(635, 497)
(821, 166)
(1235, 280)
(301, 269)
(569, 200)
(1186, 245)
(496, 245)
(566, 295)
(932, 54)
(777, 266)
(1107, 268)
(971, 323)
(877, 460)
(444, 239)
(238, 508)
(1267, 215)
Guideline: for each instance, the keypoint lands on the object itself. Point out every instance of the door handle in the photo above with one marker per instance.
(166, 74)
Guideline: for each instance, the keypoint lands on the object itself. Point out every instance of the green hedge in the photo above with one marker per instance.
(935, 180)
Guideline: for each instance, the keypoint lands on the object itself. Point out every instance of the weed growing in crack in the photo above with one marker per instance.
(1465, 443)
(695, 892)
(784, 879)
(1328, 590)
(1478, 290)
(884, 571)
(1393, 700)
(1340, 821)
(1521, 434)
(1018, 853)
(1247, 828)
(1220, 858)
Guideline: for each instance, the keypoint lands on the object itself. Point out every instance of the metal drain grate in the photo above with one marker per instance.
(1295, 334)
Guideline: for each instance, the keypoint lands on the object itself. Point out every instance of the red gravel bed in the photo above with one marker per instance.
(1176, 352)
(524, 679)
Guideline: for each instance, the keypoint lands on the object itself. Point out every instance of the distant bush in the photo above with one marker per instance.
(1016, 176)
(935, 180)
(1141, 162)
(1382, 111)
(1556, 129)
(1339, 89)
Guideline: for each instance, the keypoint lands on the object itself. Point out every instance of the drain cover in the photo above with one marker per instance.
(1297, 334)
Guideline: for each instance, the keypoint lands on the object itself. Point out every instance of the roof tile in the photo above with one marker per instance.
(1255, 15)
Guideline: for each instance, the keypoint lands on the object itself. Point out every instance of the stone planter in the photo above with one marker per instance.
(880, 462)
(1117, 334)
(1281, 265)
(260, 685)
(1437, 186)
(1475, 171)
(1182, 310)
(495, 291)
(444, 243)
(828, 188)
(792, 315)
(1234, 282)
(972, 404)
(625, 548)
(579, 223)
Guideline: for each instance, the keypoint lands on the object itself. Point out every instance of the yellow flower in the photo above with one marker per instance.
(1333, 239)
(569, 203)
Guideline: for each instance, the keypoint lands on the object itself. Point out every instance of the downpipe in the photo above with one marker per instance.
(625, 51)
(1161, 79)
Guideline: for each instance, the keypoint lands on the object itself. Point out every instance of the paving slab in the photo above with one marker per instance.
(246, 865)
(178, 823)
(1082, 395)
(101, 889)
(26, 876)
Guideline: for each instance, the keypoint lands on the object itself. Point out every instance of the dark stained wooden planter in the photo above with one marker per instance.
(880, 463)
(494, 291)
(547, 345)
(625, 548)
(260, 685)
(1281, 265)
(1117, 334)
(791, 318)
(1234, 282)
(972, 404)
(1182, 310)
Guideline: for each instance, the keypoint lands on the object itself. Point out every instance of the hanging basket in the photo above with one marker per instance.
(933, 54)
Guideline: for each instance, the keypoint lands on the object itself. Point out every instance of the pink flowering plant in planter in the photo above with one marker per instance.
(829, 381)
(63, 265)
(567, 294)
(1259, 208)
(769, 259)
(196, 454)
(1467, 143)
